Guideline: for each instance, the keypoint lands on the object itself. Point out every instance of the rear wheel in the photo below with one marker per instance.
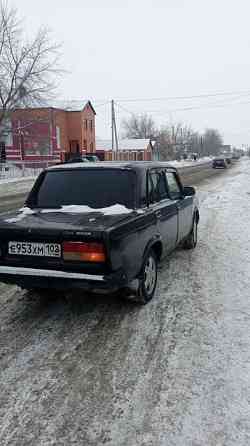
(147, 281)
(191, 241)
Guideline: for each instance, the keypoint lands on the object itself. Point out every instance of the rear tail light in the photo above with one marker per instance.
(85, 252)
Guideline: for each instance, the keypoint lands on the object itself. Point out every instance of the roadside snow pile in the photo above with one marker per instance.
(10, 188)
(185, 163)
(116, 209)
(10, 171)
(16, 180)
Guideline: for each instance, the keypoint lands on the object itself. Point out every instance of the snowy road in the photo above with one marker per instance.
(95, 370)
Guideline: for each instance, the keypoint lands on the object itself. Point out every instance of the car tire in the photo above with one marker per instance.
(147, 281)
(191, 240)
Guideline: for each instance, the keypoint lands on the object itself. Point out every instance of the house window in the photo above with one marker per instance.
(33, 138)
(91, 147)
(58, 137)
(85, 144)
(86, 124)
(32, 145)
(91, 125)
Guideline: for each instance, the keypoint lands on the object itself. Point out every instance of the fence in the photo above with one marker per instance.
(19, 169)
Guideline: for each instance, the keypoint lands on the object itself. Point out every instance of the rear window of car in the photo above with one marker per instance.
(96, 188)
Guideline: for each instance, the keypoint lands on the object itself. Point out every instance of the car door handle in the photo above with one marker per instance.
(158, 214)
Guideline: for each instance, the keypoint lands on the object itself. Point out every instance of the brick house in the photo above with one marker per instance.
(128, 149)
(50, 133)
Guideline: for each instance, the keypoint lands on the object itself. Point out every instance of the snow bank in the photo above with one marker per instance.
(186, 163)
(17, 180)
(13, 186)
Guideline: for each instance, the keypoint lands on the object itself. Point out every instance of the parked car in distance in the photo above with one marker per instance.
(219, 163)
(83, 159)
(79, 159)
(235, 157)
(92, 158)
(99, 227)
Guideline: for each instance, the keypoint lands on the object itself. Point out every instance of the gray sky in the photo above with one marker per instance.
(143, 49)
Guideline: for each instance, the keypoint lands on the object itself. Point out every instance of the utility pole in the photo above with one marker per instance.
(112, 123)
(114, 130)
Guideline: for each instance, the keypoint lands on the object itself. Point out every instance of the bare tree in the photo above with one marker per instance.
(28, 68)
(164, 144)
(212, 142)
(139, 126)
(173, 141)
(178, 140)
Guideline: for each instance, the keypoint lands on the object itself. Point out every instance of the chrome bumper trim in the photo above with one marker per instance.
(48, 273)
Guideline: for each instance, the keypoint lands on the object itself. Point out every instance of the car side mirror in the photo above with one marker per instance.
(188, 191)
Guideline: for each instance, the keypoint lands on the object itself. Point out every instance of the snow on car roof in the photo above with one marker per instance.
(111, 165)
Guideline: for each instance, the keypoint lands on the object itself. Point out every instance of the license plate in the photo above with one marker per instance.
(34, 249)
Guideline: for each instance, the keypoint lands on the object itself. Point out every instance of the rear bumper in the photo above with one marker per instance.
(43, 278)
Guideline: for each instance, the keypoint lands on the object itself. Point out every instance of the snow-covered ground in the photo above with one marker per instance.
(16, 180)
(19, 174)
(18, 184)
(190, 162)
(15, 186)
(87, 370)
(10, 171)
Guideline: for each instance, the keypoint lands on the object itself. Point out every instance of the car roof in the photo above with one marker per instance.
(134, 165)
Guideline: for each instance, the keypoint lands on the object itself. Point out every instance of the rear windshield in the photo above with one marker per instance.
(96, 188)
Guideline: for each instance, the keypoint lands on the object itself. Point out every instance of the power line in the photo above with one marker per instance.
(189, 108)
(124, 109)
(101, 105)
(166, 98)
(199, 107)
(204, 105)
(170, 98)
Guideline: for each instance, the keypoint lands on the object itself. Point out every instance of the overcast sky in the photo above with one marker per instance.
(146, 49)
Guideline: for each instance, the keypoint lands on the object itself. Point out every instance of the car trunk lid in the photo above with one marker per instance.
(37, 228)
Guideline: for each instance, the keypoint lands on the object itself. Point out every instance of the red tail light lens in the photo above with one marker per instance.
(85, 252)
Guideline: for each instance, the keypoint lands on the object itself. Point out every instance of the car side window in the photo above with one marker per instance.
(173, 186)
(157, 187)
